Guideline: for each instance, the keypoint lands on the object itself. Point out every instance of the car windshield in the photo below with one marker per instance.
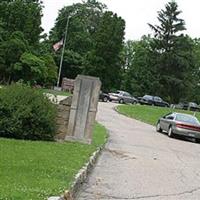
(187, 119)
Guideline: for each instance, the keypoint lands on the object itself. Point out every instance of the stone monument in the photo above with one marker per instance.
(83, 108)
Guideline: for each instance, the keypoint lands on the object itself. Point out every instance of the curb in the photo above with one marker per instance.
(81, 176)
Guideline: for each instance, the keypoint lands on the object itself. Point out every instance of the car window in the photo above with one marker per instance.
(157, 99)
(165, 116)
(126, 94)
(147, 97)
(171, 117)
(192, 104)
(187, 119)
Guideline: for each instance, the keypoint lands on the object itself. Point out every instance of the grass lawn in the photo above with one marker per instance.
(148, 114)
(36, 170)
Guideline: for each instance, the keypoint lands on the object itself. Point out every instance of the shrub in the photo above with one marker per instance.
(25, 113)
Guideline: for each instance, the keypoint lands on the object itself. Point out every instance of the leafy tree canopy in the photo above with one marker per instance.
(24, 16)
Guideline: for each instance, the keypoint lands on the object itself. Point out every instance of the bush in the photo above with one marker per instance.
(25, 113)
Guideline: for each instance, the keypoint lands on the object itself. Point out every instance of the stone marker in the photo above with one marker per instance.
(83, 109)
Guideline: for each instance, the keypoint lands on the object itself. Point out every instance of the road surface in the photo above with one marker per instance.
(139, 163)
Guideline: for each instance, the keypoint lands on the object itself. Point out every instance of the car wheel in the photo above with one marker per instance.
(170, 132)
(121, 101)
(105, 99)
(158, 128)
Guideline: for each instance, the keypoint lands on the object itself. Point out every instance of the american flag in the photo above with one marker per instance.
(58, 45)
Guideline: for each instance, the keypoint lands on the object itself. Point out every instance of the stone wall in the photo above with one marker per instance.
(63, 117)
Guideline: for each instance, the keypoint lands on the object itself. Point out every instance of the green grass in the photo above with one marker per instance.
(148, 114)
(36, 170)
(55, 92)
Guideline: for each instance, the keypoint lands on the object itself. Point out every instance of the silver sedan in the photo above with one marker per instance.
(180, 124)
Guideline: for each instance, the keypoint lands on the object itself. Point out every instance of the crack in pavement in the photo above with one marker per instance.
(120, 154)
(142, 197)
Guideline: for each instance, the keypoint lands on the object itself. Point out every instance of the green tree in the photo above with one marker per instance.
(85, 26)
(30, 68)
(24, 16)
(10, 52)
(194, 94)
(140, 75)
(36, 70)
(51, 71)
(105, 61)
(174, 53)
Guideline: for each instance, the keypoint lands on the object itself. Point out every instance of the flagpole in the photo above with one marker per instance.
(63, 51)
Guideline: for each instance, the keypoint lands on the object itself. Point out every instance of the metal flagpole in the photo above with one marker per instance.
(63, 51)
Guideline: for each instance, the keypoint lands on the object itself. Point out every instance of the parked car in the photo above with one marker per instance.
(122, 97)
(104, 97)
(193, 106)
(187, 106)
(181, 105)
(153, 100)
(180, 124)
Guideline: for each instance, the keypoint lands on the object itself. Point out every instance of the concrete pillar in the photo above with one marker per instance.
(83, 109)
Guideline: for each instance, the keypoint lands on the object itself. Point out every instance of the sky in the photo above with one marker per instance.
(136, 13)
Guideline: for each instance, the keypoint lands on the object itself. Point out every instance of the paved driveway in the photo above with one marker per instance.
(139, 163)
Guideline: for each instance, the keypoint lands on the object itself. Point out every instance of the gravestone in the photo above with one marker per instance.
(83, 108)
(68, 84)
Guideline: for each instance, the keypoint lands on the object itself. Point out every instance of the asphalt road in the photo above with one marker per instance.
(139, 163)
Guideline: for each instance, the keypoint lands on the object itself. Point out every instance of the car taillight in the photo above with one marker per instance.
(187, 126)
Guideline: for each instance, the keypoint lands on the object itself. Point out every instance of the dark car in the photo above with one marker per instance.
(153, 100)
(122, 97)
(180, 124)
(104, 97)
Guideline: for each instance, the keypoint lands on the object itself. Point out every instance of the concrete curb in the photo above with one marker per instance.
(81, 176)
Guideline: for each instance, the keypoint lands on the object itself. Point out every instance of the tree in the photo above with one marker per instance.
(194, 94)
(22, 55)
(10, 52)
(36, 70)
(174, 53)
(30, 69)
(83, 24)
(104, 61)
(24, 16)
(140, 75)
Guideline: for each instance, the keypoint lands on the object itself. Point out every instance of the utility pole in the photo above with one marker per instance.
(63, 51)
